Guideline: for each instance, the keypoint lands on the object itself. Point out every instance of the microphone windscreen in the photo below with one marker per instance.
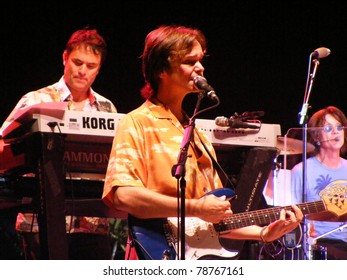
(321, 52)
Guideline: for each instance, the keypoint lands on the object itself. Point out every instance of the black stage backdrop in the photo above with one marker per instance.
(258, 50)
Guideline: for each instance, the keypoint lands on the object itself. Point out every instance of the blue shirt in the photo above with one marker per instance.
(318, 178)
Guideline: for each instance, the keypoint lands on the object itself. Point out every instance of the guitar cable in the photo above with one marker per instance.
(273, 249)
(297, 245)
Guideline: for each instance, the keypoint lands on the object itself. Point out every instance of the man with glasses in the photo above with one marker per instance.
(325, 168)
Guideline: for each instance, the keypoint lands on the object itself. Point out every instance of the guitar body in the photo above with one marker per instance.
(156, 239)
(149, 239)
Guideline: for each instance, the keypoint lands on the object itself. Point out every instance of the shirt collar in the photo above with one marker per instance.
(161, 111)
(65, 93)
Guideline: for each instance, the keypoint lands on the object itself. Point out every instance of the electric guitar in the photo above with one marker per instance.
(156, 239)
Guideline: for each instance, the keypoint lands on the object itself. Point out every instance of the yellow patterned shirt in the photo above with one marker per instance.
(59, 92)
(146, 147)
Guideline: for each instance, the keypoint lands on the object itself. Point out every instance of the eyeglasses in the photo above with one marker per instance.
(329, 128)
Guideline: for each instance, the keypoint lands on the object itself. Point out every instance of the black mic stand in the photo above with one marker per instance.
(303, 121)
(178, 171)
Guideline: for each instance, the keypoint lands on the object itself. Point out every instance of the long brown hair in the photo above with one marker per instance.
(165, 47)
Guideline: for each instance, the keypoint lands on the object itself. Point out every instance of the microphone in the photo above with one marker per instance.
(321, 52)
(337, 139)
(234, 123)
(201, 84)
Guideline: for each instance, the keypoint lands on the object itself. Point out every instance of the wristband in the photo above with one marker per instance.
(262, 235)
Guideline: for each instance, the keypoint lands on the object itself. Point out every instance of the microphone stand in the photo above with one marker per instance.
(178, 171)
(303, 122)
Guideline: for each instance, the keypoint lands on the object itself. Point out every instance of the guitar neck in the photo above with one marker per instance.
(264, 216)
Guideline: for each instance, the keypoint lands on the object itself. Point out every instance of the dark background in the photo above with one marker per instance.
(258, 50)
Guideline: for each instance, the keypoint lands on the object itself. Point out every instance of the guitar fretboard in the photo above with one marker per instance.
(264, 216)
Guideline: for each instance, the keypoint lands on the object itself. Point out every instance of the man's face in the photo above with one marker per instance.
(81, 68)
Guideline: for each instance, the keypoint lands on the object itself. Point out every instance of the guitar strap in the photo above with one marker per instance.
(227, 183)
